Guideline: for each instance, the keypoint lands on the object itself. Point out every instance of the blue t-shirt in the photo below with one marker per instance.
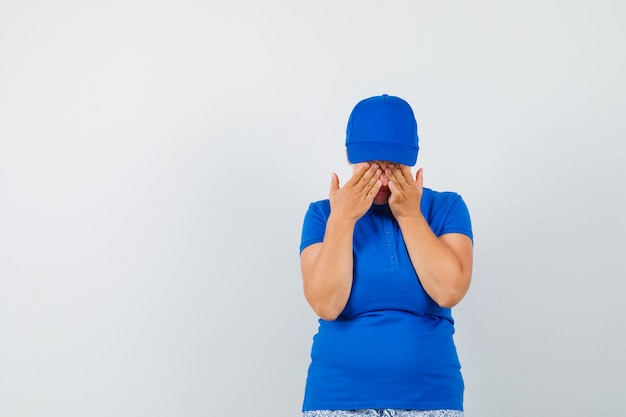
(392, 346)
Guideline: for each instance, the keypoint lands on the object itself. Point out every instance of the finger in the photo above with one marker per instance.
(393, 187)
(372, 180)
(406, 173)
(419, 178)
(373, 172)
(371, 194)
(371, 175)
(359, 170)
(394, 174)
(334, 182)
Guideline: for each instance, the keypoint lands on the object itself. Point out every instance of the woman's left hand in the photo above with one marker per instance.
(406, 192)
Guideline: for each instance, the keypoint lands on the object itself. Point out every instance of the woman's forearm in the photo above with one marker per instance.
(327, 269)
(443, 264)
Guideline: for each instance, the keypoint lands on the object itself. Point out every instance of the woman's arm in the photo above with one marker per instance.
(327, 270)
(327, 266)
(443, 264)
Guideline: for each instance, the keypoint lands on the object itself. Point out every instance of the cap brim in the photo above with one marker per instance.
(381, 151)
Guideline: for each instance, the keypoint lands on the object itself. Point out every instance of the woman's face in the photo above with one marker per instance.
(383, 194)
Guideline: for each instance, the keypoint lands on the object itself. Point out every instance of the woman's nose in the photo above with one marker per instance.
(384, 179)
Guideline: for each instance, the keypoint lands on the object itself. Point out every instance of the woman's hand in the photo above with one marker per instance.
(406, 193)
(353, 200)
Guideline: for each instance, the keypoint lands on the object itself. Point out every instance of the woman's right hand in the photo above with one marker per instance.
(357, 195)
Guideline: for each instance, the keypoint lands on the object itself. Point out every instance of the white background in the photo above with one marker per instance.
(157, 158)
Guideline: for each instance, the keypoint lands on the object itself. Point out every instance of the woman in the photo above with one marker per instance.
(383, 262)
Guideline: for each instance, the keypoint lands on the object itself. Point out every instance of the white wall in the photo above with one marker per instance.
(157, 158)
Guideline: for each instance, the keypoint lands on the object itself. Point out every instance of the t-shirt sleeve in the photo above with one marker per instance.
(458, 219)
(314, 226)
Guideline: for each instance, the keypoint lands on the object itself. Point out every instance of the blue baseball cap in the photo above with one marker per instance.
(382, 128)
